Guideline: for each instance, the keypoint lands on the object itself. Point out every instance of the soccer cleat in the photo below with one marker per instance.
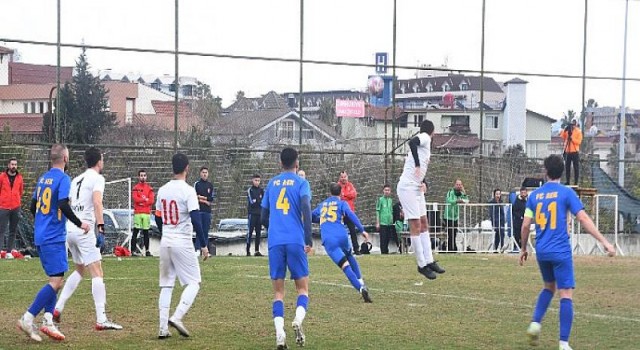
(297, 328)
(103, 326)
(281, 342)
(533, 332)
(164, 334)
(435, 267)
(427, 272)
(57, 316)
(179, 326)
(52, 331)
(564, 346)
(147, 253)
(257, 254)
(29, 329)
(365, 295)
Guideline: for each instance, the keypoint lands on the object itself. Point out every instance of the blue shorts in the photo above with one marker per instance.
(559, 271)
(338, 249)
(53, 257)
(290, 256)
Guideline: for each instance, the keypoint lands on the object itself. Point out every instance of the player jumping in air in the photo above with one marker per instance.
(86, 201)
(179, 211)
(547, 207)
(329, 214)
(411, 190)
(286, 212)
(50, 200)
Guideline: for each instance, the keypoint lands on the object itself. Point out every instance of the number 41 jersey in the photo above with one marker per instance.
(175, 200)
(549, 206)
(283, 198)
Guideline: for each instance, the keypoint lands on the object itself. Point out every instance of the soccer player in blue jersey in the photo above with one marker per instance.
(329, 214)
(286, 212)
(50, 206)
(547, 207)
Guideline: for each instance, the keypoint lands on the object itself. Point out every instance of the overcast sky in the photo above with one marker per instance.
(542, 36)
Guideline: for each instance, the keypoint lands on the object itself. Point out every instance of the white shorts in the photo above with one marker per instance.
(180, 262)
(83, 247)
(412, 199)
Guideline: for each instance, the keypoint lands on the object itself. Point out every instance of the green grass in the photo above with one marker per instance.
(482, 302)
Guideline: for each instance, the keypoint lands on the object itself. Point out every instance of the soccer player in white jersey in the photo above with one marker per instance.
(179, 210)
(411, 190)
(86, 201)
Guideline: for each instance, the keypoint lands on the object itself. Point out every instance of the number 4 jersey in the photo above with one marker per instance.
(549, 206)
(175, 201)
(283, 197)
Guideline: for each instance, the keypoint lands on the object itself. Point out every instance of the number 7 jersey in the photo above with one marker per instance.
(549, 206)
(175, 201)
(81, 197)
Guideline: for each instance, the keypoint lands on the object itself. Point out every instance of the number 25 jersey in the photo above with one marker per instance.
(283, 198)
(175, 201)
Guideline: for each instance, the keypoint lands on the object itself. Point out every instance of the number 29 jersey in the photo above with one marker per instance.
(175, 201)
(549, 206)
(283, 198)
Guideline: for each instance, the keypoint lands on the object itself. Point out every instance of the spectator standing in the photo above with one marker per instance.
(384, 219)
(143, 199)
(206, 193)
(254, 198)
(496, 213)
(349, 195)
(302, 174)
(398, 222)
(572, 137)
(518, 208)
(11, 190)
(455, 196)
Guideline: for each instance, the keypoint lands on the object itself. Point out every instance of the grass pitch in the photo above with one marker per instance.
(481, 302)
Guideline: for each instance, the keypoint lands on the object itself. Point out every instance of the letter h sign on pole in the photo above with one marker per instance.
(382, 59)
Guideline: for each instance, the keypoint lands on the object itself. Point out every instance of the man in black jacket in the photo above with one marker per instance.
(254, 199)
(206, 193)
(519, 205)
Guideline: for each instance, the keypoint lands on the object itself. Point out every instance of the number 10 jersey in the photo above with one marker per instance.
(175, 201)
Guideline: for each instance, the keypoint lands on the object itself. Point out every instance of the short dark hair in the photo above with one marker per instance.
(12, 159)
(92, 156)
(554, 164)
(255, 176)
(203, 168)
(385, 186)
(141, 171)
(288, 157)
(335, 189)
(523, 188)
(179, 163)
(427, 126)
(57, 152)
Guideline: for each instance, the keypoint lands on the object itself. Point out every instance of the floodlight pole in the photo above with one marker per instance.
(481, 98)
(301, 69)
(393, 90)
(176, 83)
(57, 134)
(584, 66)
(623, 108)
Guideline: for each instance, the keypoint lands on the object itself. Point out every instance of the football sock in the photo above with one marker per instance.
(134, 240)
(566, 318)
(186, 300)
(416, 242)
(145, 239)
(353, 262)
(48, 318)
(426, 247)
(67, 291)
(301, 307)
(42, 298)
(99, 292)
(164, 303)
(278, 316)
(50, 305)
(352, 277)
(544, 299)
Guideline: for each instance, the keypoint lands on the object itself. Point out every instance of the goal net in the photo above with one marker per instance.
(118, 214)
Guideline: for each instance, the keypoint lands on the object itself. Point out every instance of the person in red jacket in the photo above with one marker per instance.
(349, 195)
(11, 189)
(143, 200)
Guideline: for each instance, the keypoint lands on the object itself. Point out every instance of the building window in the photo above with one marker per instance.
(128, 116)
(26, 107)
(491, 121)
(172, 87)
(417, 119)
(446, 87)
(33, 107)
(532, 150)
(187, 90)
(285, 129)
(464, 86)
(459, 120)
(40, 107)
(307, 134)
(429, 87)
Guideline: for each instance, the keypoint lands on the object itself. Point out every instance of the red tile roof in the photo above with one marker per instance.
(164, 117)
(26, 91)
(25, 73)
(378, 113)
(5, 50)
(22, 123)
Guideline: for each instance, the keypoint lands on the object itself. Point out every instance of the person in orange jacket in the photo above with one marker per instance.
(349, 194)
(11, 189)
(143, 200)
(572, 137)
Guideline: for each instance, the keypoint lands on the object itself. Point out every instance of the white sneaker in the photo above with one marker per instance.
(164, 334)
(29, 329)
(51, 330)
(103, 326)
(297, 328)
(565, 346)
(533, 332)
(281, 341)
(179, 326)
